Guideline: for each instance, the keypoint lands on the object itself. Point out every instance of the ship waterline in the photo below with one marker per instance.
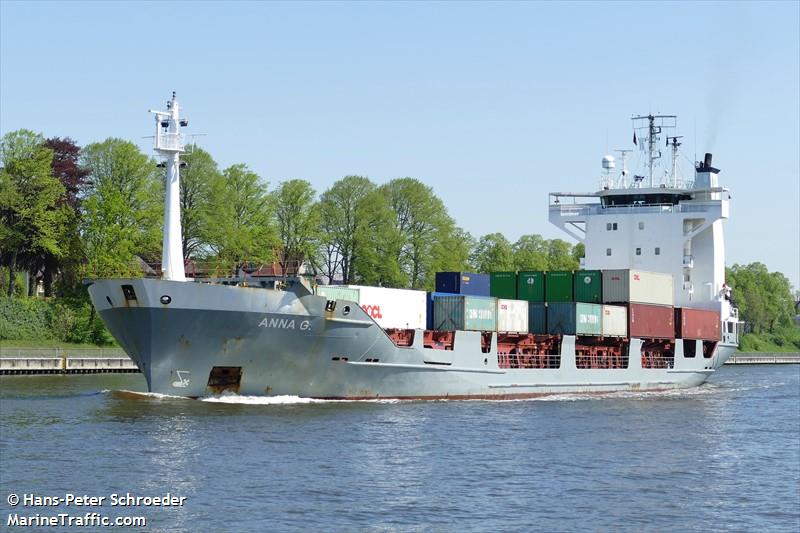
(198, 339)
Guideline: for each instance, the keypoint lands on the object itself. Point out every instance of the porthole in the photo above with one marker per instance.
(165, 299)
(346, 310)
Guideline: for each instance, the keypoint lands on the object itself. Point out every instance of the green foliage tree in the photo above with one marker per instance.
(28, 202)
(764, 298)
(420, 220)
(530, 253)
(122, 210)
(560, 256)
(200, 180)
(298, 223)
(493, 253)
(356, 226)
(238, 222)
(451, 253)
(65, 266)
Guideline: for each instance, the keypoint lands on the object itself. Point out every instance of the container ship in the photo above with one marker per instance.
(648, 310)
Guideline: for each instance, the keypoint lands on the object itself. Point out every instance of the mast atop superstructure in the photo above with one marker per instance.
(651, 126)
(169, 144)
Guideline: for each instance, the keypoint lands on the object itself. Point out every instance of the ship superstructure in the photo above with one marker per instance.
(660, 224)
(281, 336)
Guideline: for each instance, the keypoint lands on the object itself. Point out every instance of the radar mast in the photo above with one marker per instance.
(169, 145)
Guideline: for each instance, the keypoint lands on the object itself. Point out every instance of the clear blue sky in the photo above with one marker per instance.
(493, 105)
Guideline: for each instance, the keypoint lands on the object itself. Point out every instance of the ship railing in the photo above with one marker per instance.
(207, 270)
(582, 210)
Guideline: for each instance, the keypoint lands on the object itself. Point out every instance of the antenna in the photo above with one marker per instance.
(673, 141)
(169, 144)
(623, 174)
(652, 126)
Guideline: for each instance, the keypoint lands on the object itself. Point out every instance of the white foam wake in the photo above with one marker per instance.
(278, 400)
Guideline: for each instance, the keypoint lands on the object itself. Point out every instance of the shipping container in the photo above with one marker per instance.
(588, 286)
(338, 292)
(462, 283)
(651, 321)
(430, 296)
(503, 285)
(464, 313)
(512, 315)
(615, 321)
(698, 324)
(530, 286)
(638, 286)
(558, 286)
(393, 308)
(537, 318)
(567, 318)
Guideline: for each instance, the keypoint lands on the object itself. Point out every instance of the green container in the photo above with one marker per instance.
(558, 286)
(530, 286)
(503, 285)
(337, 292)
(464, 313)
(588, 286)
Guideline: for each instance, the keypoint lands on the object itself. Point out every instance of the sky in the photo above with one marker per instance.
(492, 104)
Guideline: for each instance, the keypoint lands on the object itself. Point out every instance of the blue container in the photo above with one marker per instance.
(537, 318)
(429, 307)
(462, 283)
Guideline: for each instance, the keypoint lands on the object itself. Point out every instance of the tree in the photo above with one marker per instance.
(420, 220)
(298, 220)
(451, 253)
(493, 253)
(28, 197)
(72, 177)
(560, 256)
(123, 208)
(764, 298)
(200, 180)
(357, 232)
(239, 218)
(531, 253)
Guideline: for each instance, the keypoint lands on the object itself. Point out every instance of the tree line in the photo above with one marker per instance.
(71, 212)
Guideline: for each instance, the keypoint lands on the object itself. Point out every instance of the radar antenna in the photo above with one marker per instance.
(673, 142)
(650, 127)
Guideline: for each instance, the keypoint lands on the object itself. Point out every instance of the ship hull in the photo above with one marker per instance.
(286, 343)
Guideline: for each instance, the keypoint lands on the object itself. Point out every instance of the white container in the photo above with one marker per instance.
(638, 286)
(393, 308)
(512, 316)
(615, 321)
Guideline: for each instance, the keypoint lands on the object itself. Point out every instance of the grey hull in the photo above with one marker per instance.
(286, 343)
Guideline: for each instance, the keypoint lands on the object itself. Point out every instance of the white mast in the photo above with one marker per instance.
(169, 144)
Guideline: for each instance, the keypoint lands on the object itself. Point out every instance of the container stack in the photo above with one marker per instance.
(608, 303)
(649, 297)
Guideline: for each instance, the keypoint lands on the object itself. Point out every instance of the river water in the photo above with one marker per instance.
(724, 456)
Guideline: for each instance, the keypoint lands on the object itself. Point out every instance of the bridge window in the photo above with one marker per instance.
(641, 225)
(658, 250)
(638, 251)
(608, 251)
(611, 226)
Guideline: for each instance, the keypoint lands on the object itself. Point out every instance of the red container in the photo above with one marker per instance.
(651, 321)
(698, 324)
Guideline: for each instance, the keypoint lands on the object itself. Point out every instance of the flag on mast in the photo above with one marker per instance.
(634, 139)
